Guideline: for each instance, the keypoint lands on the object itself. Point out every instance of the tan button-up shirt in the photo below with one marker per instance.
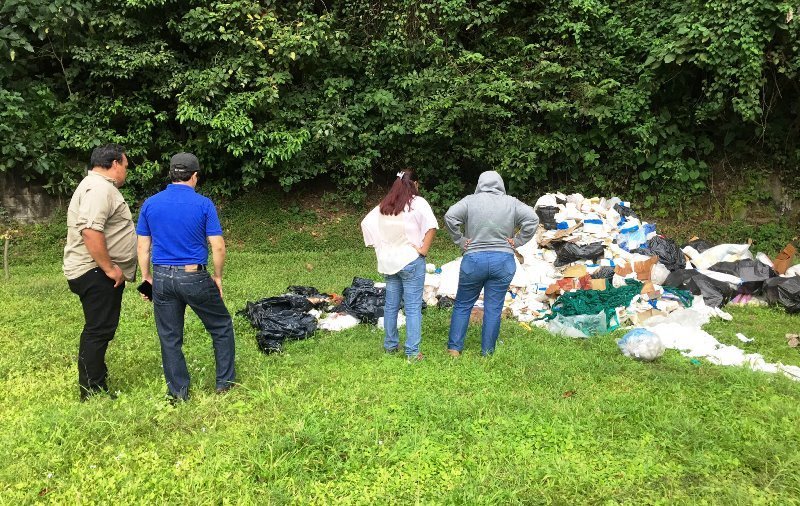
(97, 204)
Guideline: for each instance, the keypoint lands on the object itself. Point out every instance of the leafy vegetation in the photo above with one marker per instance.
(627, 97)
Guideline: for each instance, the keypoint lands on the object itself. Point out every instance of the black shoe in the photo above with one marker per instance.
(88, 392)
(392, 350)
(174, 401)
(225, 389)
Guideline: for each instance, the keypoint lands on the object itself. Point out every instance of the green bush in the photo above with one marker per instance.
(632, 98)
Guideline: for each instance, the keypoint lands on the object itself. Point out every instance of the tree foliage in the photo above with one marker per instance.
(627, 96)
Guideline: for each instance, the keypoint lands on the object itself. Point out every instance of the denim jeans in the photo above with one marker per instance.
(491, 271)
(173, 290)
(101, 307)
(406, 285)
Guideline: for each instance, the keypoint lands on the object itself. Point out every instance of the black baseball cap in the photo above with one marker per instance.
(183, 163)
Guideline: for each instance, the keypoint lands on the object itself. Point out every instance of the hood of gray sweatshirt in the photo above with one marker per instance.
(485, 220)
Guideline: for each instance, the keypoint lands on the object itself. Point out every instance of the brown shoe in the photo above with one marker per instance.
(415, 358)
(453, 353)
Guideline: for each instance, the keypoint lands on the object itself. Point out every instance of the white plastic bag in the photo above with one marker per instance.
(338, 321)
(764, 259)
(659, 274)
(792, 271)
(401, 321)
(721, 253)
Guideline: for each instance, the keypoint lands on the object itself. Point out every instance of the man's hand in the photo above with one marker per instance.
(466, 244)
(218, 281)
(511, 242)
(116, 274)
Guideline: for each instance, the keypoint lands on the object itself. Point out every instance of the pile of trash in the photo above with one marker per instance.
(596, 266)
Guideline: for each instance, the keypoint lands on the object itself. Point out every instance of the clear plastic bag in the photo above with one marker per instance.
(641, 344)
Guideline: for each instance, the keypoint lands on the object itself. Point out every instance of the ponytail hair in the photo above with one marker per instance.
(401, 193)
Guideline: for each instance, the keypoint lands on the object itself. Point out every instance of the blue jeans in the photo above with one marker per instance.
(408, 285)
(491, 271)
(173, 290)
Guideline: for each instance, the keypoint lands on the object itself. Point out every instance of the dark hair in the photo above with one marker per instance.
(104, 156)
(401, 193)
(180, 175)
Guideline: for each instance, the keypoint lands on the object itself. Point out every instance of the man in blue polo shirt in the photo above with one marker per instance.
(176, 223)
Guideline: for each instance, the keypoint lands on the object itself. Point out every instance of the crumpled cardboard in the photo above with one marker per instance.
(784, 259)
(642, 269)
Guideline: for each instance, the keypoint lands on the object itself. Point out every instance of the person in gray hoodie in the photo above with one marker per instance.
(488, 226)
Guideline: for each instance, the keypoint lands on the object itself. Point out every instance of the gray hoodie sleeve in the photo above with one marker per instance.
(454, 220)
(526, 221)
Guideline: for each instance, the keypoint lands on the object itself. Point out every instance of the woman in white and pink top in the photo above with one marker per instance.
(401, 229)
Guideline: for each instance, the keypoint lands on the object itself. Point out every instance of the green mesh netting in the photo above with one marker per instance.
(588, 302)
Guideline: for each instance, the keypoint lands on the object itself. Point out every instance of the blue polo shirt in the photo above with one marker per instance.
(179, 220)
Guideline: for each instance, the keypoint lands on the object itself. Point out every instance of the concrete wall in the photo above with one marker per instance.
(785, 204)
(26, 202)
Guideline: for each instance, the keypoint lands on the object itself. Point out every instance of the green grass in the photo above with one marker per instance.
(546, 420)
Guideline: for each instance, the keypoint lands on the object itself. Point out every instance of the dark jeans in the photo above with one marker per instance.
(173, 290)
(101, 306)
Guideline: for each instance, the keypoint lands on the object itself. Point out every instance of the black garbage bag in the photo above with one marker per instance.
(280, 318)
(667, 251)
(752, 272)
(445, 302)
(715, 293)
(305, 291)
(699, 245)
(784, 291)
(547, 217)
(363, 300)
(362, 283)
(604, 272)
(269, 346)
(315, 298)
(286, 324)
(254, 311)
(625, 212)
(568, 252)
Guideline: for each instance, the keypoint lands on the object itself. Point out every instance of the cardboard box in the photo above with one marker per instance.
(553, 289)
(784, 259)
(558, 235)
(599, 284)
(642, 269)
(476, 315)
(575, 271)
(643, 316)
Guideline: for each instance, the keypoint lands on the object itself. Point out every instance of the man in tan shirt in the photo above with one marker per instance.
(99, 256)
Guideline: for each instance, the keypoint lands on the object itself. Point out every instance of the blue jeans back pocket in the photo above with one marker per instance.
(467, 265)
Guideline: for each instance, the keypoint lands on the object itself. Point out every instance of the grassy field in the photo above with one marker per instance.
(333, 419)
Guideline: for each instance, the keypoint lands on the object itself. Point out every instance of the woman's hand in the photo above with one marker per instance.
(422, 251)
